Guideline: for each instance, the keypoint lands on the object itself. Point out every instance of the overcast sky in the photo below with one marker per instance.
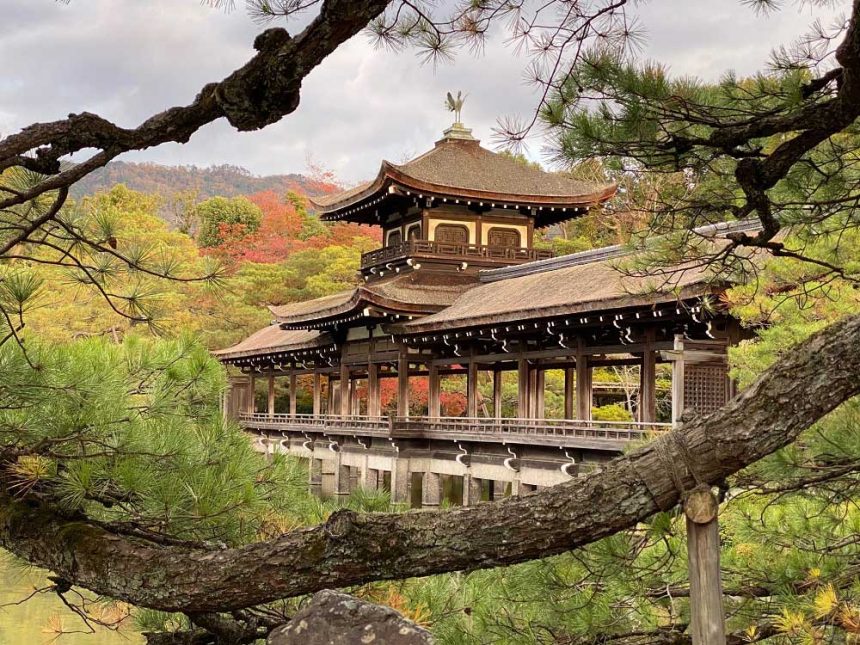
(127, 59)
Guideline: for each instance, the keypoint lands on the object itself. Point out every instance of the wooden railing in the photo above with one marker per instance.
(428, 249)
(543, 431)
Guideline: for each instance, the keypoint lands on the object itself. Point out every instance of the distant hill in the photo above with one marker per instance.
(224, 180)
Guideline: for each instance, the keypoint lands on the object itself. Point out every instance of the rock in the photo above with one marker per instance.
(334, 618)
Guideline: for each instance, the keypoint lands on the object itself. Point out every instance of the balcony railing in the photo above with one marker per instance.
(425, 249)
(554, 432)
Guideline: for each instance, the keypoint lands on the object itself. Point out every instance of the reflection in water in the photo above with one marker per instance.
(32, 622)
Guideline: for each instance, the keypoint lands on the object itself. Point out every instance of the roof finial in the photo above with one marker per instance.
(455, 105)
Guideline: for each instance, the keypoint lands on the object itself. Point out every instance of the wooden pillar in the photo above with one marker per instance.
(434, 385)
(533, 392)
(471, 490)
(707, 616)
(678, 380)
(472, 389)
(270, 397)
(523, 388)
(583, 385)
(373, 402)
(648, 381)
(497, 394)
(344, 389)
(252, 394)
(403, 384)
(569, 392)
(317, 393)
(293, 394)
(540, 391)
(332, 396)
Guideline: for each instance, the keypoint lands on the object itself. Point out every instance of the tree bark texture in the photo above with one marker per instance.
(349, 549)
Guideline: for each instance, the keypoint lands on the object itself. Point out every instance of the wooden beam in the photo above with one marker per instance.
(561, 352)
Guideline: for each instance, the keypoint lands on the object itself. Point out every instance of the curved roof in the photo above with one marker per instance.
(272, 340)
(413, 293)
(461, 168)
(576, 289)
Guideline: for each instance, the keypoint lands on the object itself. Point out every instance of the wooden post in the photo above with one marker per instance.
(583, 384)
(472, 389)
(317, 393)
(540, 391)
(648, 381)
(523, 388)
(293, 394)
(403, 384)
(497, 394)
(270, 397)
(373, 390)
(678, 380)
(252, 394)
(344, 389)
(569, 380)
(434, 403)
(533, 392)
(707, 617)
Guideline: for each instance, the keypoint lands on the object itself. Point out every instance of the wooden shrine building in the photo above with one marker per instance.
(459, 289)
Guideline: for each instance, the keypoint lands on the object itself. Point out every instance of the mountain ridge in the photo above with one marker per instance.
(224, 180)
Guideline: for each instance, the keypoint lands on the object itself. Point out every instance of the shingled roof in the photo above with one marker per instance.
(576, 289)
(274, 340)
(414, 293)
(459, 167)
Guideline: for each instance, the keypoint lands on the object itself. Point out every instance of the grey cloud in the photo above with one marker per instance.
(128, 60)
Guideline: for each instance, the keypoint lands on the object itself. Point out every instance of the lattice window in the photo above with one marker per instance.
(452, 234)
(506, 237)
(705, 387)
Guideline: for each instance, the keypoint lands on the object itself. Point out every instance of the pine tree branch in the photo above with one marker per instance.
(799, 389)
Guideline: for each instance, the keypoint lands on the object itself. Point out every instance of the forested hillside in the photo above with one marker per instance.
(206, 182)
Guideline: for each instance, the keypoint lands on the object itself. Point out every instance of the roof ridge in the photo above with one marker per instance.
(605, 253)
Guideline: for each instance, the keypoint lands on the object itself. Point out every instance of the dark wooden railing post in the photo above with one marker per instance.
(707, 617)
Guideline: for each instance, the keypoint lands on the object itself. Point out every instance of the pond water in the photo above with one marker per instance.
(34, 622)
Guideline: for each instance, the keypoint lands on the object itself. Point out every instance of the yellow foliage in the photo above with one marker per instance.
(792, 622)
(29, 470)
(825, 602)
